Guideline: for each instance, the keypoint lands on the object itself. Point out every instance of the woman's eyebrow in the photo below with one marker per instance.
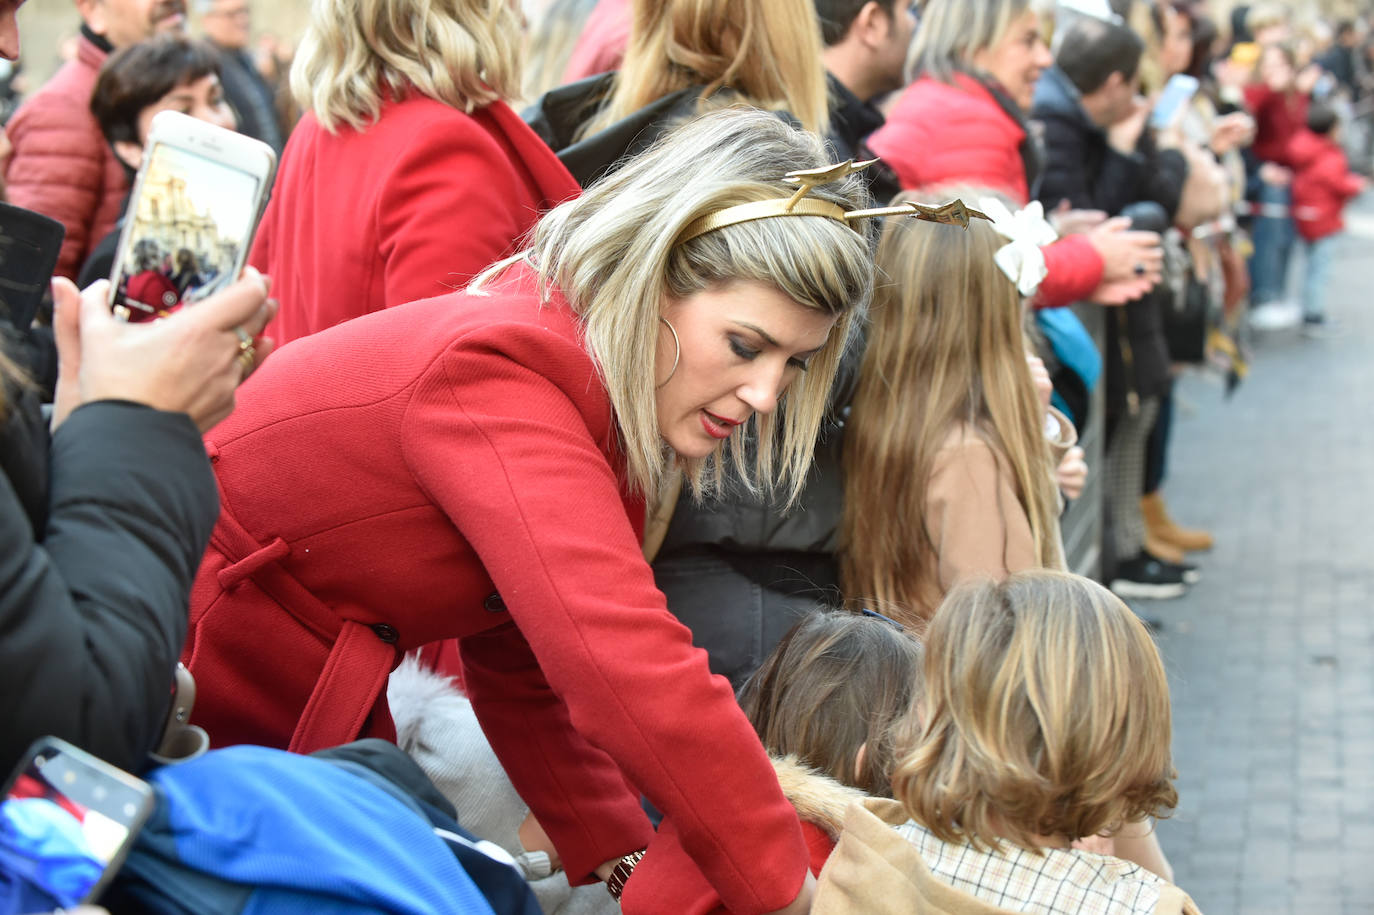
(767, 338)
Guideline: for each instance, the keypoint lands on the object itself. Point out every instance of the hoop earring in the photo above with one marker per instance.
(677, 356)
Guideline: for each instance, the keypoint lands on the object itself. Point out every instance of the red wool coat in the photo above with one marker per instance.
(1322, 185)
(450, 468)
(942, 134)
(61, 166)
(412, 207)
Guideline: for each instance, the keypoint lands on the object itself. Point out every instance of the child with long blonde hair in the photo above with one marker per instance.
(949, 470)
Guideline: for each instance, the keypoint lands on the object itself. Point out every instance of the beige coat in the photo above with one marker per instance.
(875, 871)
(973, 514)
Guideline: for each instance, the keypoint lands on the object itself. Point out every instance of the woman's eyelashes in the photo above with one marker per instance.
(741, 349)
(749, 353)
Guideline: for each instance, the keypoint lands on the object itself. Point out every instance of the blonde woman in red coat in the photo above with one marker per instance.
(409, 174)
(476, 466)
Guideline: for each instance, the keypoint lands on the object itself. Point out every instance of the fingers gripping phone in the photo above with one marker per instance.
(195, 206)
(1177, 93)
(67, 821)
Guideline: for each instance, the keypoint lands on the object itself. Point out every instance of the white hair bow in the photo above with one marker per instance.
(1026, 231)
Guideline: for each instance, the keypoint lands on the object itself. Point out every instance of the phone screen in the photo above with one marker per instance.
(187, 233)
(62, 824)
(1177, 92)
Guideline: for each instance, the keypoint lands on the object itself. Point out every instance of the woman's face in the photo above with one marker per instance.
(742, 344)
(1176, 48)
(202, 99)
(1017, 59)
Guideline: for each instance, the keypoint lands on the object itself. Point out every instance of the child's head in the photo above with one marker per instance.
(1322, 119)
(837, 684)
(1046, 713)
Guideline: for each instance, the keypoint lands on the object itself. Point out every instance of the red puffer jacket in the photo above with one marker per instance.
(62, 167)
(1322, 183)
(946, 134)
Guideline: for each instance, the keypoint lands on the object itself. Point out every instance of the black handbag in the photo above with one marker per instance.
(1185, 322)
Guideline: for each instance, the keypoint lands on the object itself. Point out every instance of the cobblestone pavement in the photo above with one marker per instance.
(1271, 656)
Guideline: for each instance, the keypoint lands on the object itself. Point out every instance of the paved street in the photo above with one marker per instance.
(1271, 657)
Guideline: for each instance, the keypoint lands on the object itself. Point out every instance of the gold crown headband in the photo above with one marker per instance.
(953, 213)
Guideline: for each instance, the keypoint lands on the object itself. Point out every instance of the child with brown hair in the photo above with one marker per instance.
(1046, 720)
(833, 705)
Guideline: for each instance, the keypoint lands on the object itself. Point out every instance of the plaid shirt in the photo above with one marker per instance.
(1058, 882)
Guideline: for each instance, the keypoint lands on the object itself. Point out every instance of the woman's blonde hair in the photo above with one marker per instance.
(838, 682)
(1046, 713)
(946, 349)
(766, 52)
(614, 254)
(953, 31)
(357, 53)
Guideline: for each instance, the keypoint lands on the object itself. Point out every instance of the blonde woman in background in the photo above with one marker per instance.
(686, 57)
(409, 174)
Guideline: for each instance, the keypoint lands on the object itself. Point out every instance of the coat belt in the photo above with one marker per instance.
(360, 660)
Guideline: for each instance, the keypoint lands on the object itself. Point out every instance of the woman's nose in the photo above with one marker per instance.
(762, 391)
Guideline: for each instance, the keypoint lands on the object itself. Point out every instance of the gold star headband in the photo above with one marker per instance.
(954, 213)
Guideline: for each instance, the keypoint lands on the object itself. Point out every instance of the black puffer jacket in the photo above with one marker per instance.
(101, 532)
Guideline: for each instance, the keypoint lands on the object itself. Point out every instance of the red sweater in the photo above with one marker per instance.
(1322, 184)
(61, 166)
(940, 134)
(451, 469)
(413, 206)
(1279, 117)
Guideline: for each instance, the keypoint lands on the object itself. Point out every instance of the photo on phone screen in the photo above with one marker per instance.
(66, 822)
(187, 234)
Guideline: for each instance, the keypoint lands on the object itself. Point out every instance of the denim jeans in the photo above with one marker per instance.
(1317, 275)
(1274, 237)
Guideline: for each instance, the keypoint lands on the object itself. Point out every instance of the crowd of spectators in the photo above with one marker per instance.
(708, 478)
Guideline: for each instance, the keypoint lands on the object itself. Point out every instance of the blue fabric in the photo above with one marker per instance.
(45, 860)
(1320, 254)
(1073, 346)
(308, 836)
(1274, 237)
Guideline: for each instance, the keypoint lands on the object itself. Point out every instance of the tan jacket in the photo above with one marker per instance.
(975, 520)
(875, 871)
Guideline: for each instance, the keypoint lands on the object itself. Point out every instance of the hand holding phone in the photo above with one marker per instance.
(67, 822)
(191, 218)
(1178, 92)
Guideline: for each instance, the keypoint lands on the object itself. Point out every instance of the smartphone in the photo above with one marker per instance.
(195, 206)
(67, 822)
(29, 245)
(1178, 91)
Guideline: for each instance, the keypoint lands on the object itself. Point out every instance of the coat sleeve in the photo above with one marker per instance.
(1075, 270)
(94, 616)
(594, 668)
(57, 169)
(1065, 178)
(976, 522)
(448, 209)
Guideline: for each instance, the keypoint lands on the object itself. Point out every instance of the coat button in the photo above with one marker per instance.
(494, 603)
(386, 633)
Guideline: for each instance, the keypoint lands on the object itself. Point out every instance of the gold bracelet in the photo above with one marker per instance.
(620, 874)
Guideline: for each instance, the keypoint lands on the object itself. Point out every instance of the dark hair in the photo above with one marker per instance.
(1344, 28)
(836, 682)
(1092, 50)
(137, 76)
(838, 15)
(1205, 35)
(1321, 119)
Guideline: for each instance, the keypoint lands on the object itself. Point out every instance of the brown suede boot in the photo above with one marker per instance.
(1160, 527)
(1160, 549)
